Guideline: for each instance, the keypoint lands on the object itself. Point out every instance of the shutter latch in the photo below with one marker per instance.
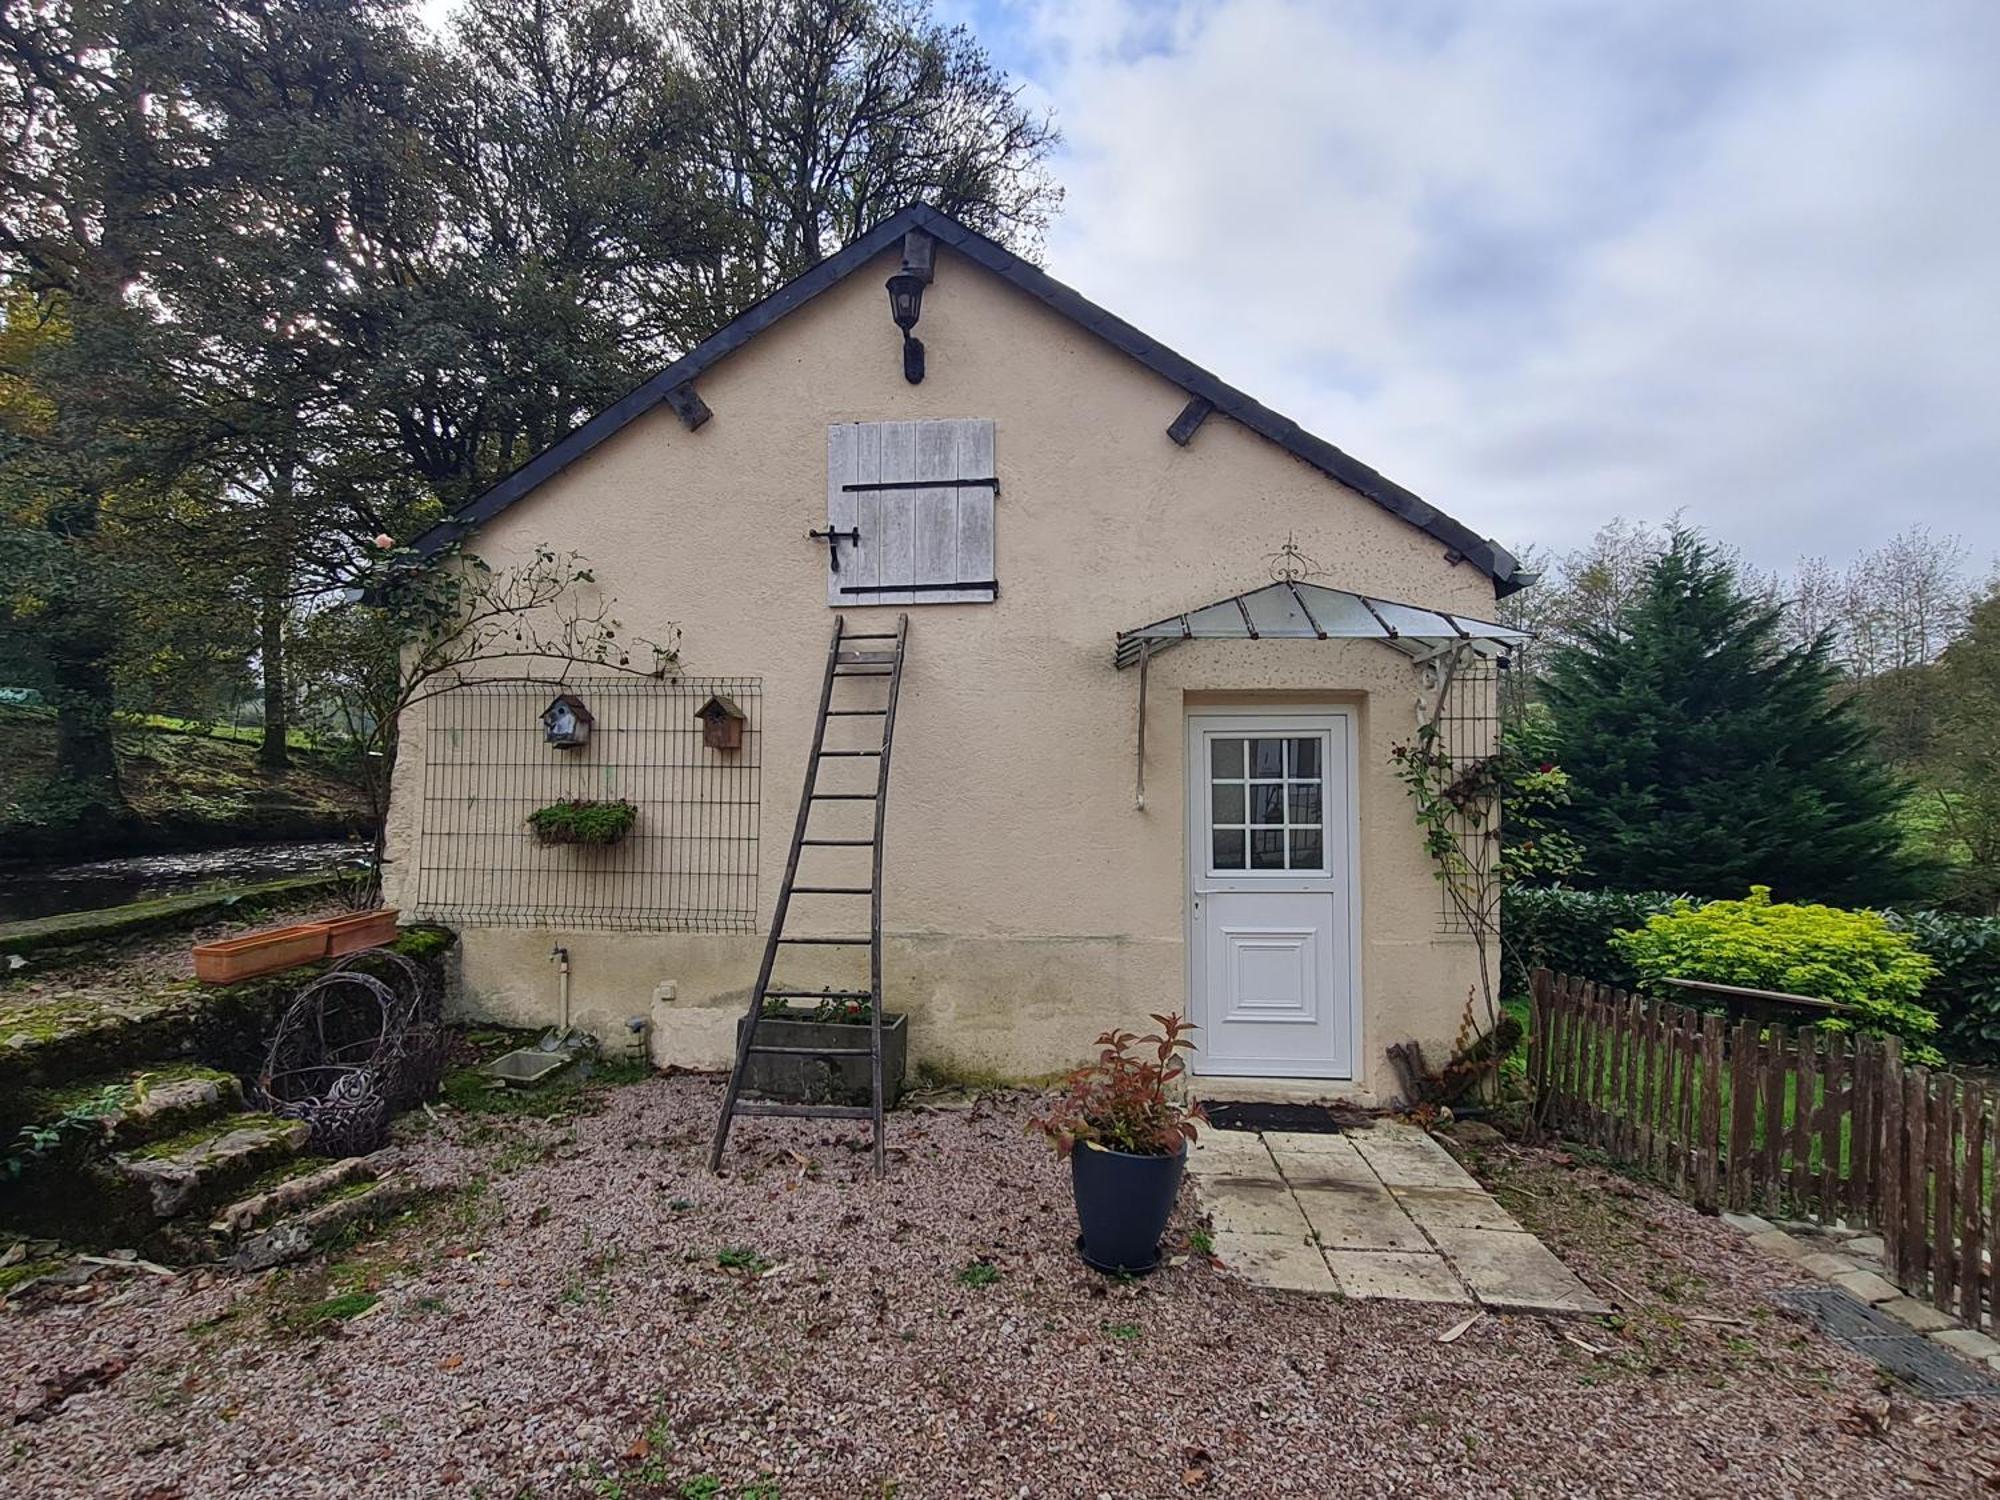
(832, 537)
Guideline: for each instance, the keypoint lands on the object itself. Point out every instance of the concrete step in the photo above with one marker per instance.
(204, 1166)
(304, 1181)
(355, 1200)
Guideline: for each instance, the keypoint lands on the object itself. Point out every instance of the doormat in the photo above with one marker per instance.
(1895, 1346)
(1307, 1119)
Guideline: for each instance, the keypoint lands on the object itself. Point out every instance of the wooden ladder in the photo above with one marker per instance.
(842, 663)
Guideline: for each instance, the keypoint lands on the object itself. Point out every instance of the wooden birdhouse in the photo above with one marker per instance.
(566, 722)
(721, 724)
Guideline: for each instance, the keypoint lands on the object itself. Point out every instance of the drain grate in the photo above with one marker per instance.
(1307, 1119)
(1894, 1346)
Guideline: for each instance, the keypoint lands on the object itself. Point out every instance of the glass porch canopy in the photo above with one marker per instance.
(1296, 610)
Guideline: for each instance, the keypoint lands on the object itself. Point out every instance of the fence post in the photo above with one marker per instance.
(1886, 1146)
(1742, 1113)
(1916, 1181)
(1972, 1194)
(1770, 1156)
(1708, 1142)
(1687, 1045)
(1802, 1101)
(1538, 1048)
(1830, 1111)
(1944, 1193)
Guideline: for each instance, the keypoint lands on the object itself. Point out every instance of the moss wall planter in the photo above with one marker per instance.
(583, 823)
(807, 1079)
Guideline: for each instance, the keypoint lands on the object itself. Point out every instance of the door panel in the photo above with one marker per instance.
(1270, 852)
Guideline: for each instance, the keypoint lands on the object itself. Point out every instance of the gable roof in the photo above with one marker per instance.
(1461, 541)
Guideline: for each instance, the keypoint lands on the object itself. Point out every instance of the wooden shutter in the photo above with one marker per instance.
(920, 494)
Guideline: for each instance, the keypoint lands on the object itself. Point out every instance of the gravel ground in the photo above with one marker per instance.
(587, 1312)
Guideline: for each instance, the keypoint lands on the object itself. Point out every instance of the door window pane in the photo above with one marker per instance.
(1305, 758)
(1267, 803)
(1267, 848)
(1228, 849)
(1267, 757)
(1227, 800)
(1306, 849)
(1228, 757)
(1302, 802)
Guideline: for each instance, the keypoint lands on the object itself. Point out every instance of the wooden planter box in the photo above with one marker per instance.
(260, 953)
(803, 1079)
(366, 929)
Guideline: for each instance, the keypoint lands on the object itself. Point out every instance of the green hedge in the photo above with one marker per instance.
(1965, 991)
(1569, 931)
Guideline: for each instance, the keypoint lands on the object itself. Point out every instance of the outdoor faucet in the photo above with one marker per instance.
(559, 956)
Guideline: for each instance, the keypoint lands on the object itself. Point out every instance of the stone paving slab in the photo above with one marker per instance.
(1381, 1213)
(1403, 1162)
(1275, 1260)
(1249, 1205)
(1453, 1208)
(1396, 1277)
(1351, 1217)
(1512, 1270)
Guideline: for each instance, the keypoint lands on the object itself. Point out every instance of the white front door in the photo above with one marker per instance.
(1270, 853)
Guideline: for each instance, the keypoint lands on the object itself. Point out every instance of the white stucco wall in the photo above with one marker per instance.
(1028, 905)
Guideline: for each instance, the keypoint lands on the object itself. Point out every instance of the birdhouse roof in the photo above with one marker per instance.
(574, 704)
(720, 707)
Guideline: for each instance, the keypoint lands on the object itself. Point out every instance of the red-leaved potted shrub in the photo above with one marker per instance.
(1126, 1137)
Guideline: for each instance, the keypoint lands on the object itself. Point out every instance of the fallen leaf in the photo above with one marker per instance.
(640, 1450)
(1451, 1334)
(451, 1361)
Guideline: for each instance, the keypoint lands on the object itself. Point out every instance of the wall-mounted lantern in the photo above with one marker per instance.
(721, 724)
(566, 722)
(906, 305)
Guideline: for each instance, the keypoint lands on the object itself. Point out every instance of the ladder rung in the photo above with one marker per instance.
(833, 890)
(855, 713)
(866, 659)
(819, 995)
(806, 1111)
(812, 1051)
(843, 796)
(840, 843)
(857, 635)
(866, 672)
(850, 752)
(860, 942)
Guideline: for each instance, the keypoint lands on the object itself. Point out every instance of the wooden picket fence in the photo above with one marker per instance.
(1766, 1119)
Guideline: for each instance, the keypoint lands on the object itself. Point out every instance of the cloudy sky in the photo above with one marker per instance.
(1547, 263)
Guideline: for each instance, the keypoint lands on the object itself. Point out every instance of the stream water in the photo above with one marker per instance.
(41, 890)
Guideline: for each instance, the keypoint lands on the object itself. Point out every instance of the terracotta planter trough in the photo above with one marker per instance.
(366, 929)
(260, 953)
(287, 947)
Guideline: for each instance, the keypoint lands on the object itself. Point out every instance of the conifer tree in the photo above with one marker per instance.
(1706, 755)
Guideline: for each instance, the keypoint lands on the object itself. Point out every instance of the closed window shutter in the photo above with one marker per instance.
(920, 495)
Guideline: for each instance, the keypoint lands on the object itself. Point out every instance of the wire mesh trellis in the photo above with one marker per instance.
(1468, 723)
(688, 865)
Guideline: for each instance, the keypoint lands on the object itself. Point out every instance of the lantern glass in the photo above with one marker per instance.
(906, 299)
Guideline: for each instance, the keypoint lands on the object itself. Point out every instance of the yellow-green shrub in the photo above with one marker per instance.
(1853, 957)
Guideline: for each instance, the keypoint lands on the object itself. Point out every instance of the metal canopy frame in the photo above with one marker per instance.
(1293, 609)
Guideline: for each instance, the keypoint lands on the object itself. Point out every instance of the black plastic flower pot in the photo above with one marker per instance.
(1122, 1205)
